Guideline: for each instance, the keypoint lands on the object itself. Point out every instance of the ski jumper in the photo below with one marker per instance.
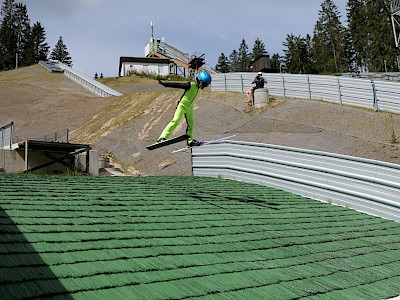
(185, 108)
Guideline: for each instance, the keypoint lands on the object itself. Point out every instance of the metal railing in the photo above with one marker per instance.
(6, 136)
(366, 185)
(51, 66)
(374, 94)
(89, 83)
(61, 136)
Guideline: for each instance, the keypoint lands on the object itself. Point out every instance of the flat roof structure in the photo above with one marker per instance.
(68, 152)
(80, 237)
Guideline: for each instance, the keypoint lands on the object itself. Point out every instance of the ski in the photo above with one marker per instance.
(168, 142)
(205, 143)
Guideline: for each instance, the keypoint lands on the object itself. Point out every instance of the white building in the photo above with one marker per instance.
(147, 65)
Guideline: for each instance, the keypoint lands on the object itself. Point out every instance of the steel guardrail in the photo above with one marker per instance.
(374, 94)
(366, 185)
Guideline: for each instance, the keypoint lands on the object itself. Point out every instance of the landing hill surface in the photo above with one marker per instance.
(39, 102)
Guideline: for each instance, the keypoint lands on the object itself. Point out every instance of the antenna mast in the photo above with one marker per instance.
(152, 29)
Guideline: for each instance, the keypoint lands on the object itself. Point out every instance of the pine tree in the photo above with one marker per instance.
(39, 45)
(244, 57)
(351, 56)
(276, 62)
(381, 51)
(309, 60)
(357, 26)
(222, 64)
(297, 56)
(8, 36)
(61, 53)
(234, 61)
(23, 32)
(258, 49)
(372, 36)
(329, 40)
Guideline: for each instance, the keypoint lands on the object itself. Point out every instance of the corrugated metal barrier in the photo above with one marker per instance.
(374, 94)
(366, 185)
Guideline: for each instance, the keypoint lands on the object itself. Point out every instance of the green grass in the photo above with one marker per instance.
(185, 237)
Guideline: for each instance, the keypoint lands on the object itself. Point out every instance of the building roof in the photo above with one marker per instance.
(181, 237)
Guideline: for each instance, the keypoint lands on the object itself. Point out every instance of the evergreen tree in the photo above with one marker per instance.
(381, 51)
(350, 52)
(61, 53)
(329, 40)
(309, 61)
(222, 64)
(276, 62)
(258, 49)
(8, 35)
(297, 56)
(357, 26)
(39, 45)
(2, 56)
(244, 57)
(234, 61)
(23, 33)
(372, 36)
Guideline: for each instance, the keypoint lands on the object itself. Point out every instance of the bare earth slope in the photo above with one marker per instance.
(39, 102)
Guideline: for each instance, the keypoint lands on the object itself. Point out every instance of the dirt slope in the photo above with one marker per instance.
(39, 102)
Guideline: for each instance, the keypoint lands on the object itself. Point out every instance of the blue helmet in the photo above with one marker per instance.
(205, 77)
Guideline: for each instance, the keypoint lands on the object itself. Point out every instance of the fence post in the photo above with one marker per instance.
(339, 91)
(12, 134)
(241, 78)
(67, 133)
(226, 87)
(375, 103)
(26, 156)
(283, 85)
(309, 87)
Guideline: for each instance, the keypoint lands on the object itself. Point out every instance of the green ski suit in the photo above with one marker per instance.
(185, 108)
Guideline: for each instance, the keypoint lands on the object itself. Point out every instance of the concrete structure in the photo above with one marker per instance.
(93, 167)
(261, 98)
(51, 161)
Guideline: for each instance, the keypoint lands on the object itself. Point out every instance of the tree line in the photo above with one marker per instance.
(365, 45)
(23, 44)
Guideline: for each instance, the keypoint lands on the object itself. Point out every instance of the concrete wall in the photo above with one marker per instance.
(80, 162)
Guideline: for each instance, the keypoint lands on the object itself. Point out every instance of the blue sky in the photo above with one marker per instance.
(98, 32)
